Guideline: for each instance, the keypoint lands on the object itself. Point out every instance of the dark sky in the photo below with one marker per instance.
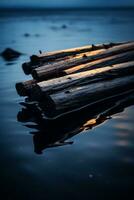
(65, 3)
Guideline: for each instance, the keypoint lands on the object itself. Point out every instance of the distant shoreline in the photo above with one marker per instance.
(3, 9)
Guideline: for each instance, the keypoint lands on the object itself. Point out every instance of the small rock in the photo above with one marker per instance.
(26, 35)
(10, 54)
(64, 26)
(37, 35)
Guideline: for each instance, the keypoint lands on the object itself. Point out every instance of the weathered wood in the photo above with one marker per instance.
(111, 60)
(80, 114)
(82, 78)
(76, 97)
(47, 57)
(57, 69)
(34, 88)
(37, 60)
(24, 88)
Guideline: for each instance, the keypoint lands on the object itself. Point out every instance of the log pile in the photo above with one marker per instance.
(69, 81)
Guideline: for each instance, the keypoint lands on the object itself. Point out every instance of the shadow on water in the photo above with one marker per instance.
(54, 133)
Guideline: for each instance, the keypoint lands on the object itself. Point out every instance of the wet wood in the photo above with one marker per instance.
(74, 79)
(37, 60)
(24, 88)
(81, 79)
(58, 69)
(111, 60)
(77, 97)
(47, 57)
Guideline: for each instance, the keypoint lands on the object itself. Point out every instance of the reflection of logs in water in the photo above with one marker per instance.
(55, 133)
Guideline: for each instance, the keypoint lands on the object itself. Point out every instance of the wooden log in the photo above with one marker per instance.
(34, 89)
(24, 88)
(77, 97)
(81, 114)
(82, 78)
(111, 60)
(57, 69)
(37, 60)
(47, 57)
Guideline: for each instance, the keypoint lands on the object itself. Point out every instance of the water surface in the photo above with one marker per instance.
(100, 163)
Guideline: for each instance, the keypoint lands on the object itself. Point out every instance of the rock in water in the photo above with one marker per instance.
(26, 35)
(9, 54)
(64, 26)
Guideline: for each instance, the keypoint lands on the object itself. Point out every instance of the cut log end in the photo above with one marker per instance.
(21, 90)
(26, 68)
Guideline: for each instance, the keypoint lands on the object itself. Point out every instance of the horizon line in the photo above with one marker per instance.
(64, 8)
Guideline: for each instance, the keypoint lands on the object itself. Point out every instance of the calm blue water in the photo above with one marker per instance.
(100, 163)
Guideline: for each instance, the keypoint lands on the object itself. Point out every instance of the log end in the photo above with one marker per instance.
(21, 90)
(27, 68)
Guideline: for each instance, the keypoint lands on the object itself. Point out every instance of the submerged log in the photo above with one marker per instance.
(74, 98)
(50, 133)
(81, 79)
(37, 60)
(57, 69)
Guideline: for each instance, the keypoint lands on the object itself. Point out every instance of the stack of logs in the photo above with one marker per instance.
(69, 80)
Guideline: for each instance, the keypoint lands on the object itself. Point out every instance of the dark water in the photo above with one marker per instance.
(100, 163)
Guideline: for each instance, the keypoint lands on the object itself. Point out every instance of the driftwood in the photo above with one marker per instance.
(71, 80)
(50, 86)
(77, 97)
(24, 88)
(83, 87)
(57, 69)
(37, 60)
(81, 79)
